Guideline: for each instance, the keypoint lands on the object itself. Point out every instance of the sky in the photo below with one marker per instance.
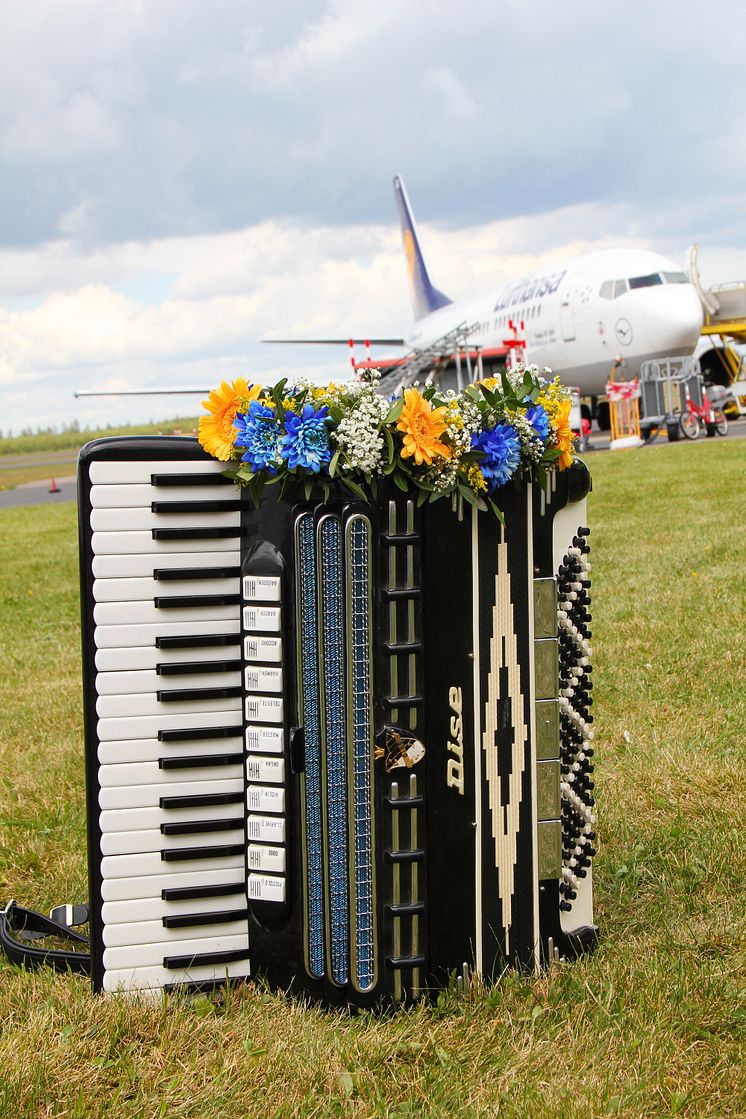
(180, 179)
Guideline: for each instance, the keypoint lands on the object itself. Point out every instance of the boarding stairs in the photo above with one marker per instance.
(428, 363)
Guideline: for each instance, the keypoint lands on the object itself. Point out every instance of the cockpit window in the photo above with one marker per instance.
(676, 277)
(606, 290)
(620, 287)
(645, 281)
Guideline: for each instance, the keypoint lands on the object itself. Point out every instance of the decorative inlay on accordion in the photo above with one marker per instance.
(346, 746)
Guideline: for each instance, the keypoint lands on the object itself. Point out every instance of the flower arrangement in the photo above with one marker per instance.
(470, 443)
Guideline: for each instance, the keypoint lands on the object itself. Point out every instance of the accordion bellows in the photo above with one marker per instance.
(343, 746)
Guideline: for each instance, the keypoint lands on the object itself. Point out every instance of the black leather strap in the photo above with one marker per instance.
(19, 927)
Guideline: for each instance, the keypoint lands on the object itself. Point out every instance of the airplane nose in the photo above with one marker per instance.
(674, 320)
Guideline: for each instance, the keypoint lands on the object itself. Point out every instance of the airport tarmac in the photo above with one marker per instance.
(41, 493)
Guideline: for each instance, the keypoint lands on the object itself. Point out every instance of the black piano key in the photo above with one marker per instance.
(180, 601)
(179, 963)
(201, 800)
(183, 695)
(195, 506)
(193, 762)
(181, 574)
(213, 532)
(187, 668)
(198, 827)
(192, 893)
(184, 854)
(188, 920)
(187, 734)
(197, 640)
(190, 480)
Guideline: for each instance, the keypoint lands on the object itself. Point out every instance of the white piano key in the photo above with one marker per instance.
(154, 978)
(155, 909)
(229, 873)
(148, 955)
(261, 679)
(134, 520)
(126, 636)
(262, 588)
(140, 494)
(147, 613)
(151, 818)
(146, 589)
(148, 794)
(263, 709)
(265, 798)
(262, 857)
(153, 932)
(146, 658)
(263, 649)
(123, 751)
(265, 887)
(265, 829)
(142, 566)
(106, 472)
(149, 725)
(150, 864)
(265, 740)
(139, 842)
(119, 543)
(147, 773)
(147, 703)
(271, 770)
(149, 681)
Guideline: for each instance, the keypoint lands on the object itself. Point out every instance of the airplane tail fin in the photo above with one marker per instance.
(425, 297)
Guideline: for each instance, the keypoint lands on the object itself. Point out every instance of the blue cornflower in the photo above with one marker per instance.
(306, 442)
(501, 447)
(259, 433)
(538, 417)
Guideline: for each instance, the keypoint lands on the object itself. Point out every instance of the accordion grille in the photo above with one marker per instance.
(359, 654)
(334, 596)
(310, 715)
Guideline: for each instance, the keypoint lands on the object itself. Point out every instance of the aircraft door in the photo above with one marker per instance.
(567, 317)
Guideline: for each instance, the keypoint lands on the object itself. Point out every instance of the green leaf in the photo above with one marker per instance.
(245, 474)
(551, 454)
(308, 488)
(497, 511)
(429, 392)
(394, 411)
(333, 463)
(353, 487)
(422, 497)
(389, 445)
(401, 481)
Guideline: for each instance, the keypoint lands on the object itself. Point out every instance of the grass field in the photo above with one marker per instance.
(652, 1025)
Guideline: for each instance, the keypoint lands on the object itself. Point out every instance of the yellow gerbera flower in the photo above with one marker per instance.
(422, 425)
(216, 431)
(563, 436)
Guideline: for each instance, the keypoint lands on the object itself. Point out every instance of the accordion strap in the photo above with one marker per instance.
(20, 927)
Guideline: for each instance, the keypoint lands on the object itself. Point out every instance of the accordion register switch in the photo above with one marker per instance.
(344, 746)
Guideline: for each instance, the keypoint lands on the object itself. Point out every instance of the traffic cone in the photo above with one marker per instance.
(54, 488)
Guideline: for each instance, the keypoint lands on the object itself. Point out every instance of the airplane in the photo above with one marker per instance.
(581, 317)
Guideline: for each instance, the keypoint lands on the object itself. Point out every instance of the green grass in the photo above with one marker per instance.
(72, 438)
(652, 1025)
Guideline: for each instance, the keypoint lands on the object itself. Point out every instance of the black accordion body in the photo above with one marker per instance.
(344, 746)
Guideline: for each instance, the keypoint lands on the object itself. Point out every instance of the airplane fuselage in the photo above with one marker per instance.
(580, 315)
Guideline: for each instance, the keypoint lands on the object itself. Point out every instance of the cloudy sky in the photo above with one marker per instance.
(180, 178)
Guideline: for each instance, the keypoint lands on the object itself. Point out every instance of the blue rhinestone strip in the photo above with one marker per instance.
(359, 654)
(335, 746)
(311, 715)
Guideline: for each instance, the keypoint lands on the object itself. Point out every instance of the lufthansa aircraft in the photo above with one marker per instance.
(579, 317)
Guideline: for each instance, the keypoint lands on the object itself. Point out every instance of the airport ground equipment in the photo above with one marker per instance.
(665, 386)
(624, 412)
(346, 746)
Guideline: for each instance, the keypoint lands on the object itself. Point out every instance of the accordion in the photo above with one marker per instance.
(344, 746)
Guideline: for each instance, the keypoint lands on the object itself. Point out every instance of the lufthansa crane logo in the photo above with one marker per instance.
(410, 253)
(623, 331)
